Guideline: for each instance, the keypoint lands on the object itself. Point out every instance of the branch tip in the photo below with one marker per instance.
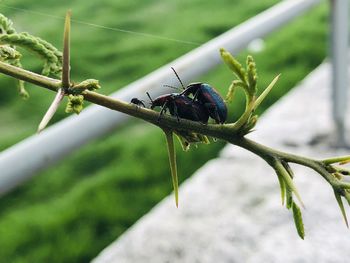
(172, 162)
(66, 52)
(51, 111)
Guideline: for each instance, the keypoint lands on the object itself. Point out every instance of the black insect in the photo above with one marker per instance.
(138, 102)
(180, 106)
(208, 96)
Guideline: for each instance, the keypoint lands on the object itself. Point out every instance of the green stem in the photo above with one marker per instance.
(269, 154)
(245, 116)
(28, 76)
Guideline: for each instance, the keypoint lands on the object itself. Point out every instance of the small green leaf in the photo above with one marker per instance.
(172, 161)
(298, 220)
(52, 64)
(288, 168)
(282, 187)
(289, 198)
(291, 185)
(341, 207)
(288, 180)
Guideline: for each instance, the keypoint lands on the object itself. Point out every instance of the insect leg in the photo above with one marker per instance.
(213, 111)
(163, 109)
(175, 111)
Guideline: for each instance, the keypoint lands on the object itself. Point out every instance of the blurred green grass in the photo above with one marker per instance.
(71, 211)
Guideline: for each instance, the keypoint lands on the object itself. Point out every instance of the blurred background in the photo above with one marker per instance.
(74, 209)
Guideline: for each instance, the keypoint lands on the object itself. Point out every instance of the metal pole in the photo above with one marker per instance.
(339, 57)
(25, 159)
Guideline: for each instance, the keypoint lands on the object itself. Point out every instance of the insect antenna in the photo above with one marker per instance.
(178, 78)
(169, 86)
(149, 96)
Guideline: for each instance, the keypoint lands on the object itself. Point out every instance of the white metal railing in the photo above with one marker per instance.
(25, 159)
(339, 56)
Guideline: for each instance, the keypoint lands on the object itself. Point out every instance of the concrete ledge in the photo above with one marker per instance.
(230, 210)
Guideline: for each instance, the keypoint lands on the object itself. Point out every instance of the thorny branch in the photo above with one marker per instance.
(234, 133)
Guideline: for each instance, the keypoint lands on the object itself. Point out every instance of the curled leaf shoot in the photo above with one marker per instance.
(88, 84)
(247, 80)
(252, 76)
(23, 93)
(6, 25)
(233, 64)
(52, 64)
(75, 103)
(232, 89)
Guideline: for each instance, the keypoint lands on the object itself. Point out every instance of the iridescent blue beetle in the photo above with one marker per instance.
(208, 96)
